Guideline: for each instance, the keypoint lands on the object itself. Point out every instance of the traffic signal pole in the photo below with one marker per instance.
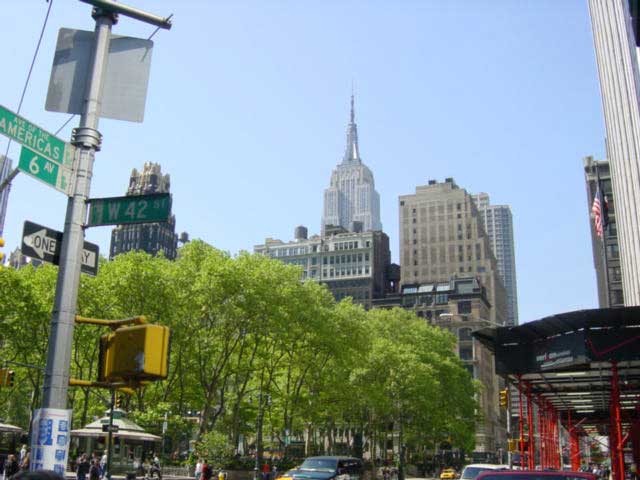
(87, 140)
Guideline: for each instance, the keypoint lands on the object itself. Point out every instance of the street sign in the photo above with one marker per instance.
(51, 173)
(43, 156)
(114, 428)
(45, 244)
(130, 209)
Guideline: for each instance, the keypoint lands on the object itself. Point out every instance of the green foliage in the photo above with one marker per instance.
(251, 346)
(214, 447)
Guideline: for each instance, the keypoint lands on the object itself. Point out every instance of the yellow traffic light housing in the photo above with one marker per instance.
(1, 253)
(512, 444)
(504, 398)
(137, 353)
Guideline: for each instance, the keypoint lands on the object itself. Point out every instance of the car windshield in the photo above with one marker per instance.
(473, 472)
(320, 464)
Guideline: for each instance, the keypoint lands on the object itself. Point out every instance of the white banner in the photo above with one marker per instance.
(51, 429)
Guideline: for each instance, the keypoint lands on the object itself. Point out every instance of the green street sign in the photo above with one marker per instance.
(43, 155)
(32, 136)
(43, 169)
(130, 209)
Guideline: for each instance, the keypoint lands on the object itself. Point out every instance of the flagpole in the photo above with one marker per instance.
(604, 236)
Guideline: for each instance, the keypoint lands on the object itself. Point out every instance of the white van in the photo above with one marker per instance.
(471, 471)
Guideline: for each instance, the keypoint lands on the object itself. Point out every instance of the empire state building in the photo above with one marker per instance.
(351, 201)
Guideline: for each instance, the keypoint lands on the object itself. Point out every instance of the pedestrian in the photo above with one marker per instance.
(24, 464)
(207, 471)
(266, 470)
(94, 470)
(198, 471)
(11, 467)
(155, 467)
(103, 464)
(23, 452)
(82, 467)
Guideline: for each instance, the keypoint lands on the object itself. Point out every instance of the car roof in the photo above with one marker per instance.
(487, 465)
(536, 473)
(333, 457)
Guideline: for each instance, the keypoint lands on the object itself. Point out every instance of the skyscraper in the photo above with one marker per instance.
(610, 280)
(616, 39)
(441, 236)
(149, 237)
(351, 201)
(498, 225)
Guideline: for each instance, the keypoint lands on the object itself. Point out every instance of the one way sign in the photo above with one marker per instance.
(45, 244)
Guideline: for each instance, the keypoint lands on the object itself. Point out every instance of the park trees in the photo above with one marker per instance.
(255, 352)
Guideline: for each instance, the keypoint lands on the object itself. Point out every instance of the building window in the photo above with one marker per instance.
(464, 307)
(464, 334)
(466, 353)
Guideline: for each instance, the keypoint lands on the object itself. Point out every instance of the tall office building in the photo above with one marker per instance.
(610, 280)
(441, 236)
(5, 169)
(351, 201)
(149, 237)
(498, 225)
(615, 34)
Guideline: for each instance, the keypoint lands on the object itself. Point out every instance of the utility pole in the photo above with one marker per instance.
(87, 139)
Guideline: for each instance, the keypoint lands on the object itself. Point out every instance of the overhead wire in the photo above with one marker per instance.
(33, 62)
(4, 170)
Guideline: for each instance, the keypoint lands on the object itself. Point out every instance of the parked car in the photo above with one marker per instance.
(470, 472)
(448, 474)
(534, 475)
(326, 468)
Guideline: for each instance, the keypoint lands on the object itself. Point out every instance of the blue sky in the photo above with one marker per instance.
(248, 106)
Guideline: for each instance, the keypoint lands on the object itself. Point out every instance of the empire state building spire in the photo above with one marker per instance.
(351, 201)
(352, 152)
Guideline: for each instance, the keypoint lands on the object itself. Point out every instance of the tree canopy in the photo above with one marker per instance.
(252, 346)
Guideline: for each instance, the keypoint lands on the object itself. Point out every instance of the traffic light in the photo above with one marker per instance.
(504, 398)
(6, 377)
(137, 353)
(118, 402)
(1, 253)
(512, 444)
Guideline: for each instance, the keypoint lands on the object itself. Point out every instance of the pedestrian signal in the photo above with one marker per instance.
(504, 398)
(6, 377)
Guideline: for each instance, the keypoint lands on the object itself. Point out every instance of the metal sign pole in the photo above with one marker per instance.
(107, 474)
(87, 139)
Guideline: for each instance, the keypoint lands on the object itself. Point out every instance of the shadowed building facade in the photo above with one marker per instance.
(609, 280)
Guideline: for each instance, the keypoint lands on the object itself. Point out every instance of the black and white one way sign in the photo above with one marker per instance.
(45, 244)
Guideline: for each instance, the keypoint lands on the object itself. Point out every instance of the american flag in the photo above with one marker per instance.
(596, 209)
